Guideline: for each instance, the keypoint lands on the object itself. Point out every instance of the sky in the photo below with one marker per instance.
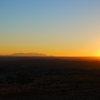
(51, 27)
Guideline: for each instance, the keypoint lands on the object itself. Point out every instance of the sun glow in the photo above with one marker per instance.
(97, 53)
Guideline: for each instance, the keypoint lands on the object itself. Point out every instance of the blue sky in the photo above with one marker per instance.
(54, 27)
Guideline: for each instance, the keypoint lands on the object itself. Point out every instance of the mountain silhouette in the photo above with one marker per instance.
(28, 54)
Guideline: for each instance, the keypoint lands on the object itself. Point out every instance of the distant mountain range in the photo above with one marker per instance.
(28, 54)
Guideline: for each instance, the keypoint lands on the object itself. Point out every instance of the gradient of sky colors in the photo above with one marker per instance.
(52, 27)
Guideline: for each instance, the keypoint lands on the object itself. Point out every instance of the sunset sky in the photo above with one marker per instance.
(52, 27)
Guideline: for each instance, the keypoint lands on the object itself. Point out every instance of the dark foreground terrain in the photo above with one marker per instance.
(34, 78)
